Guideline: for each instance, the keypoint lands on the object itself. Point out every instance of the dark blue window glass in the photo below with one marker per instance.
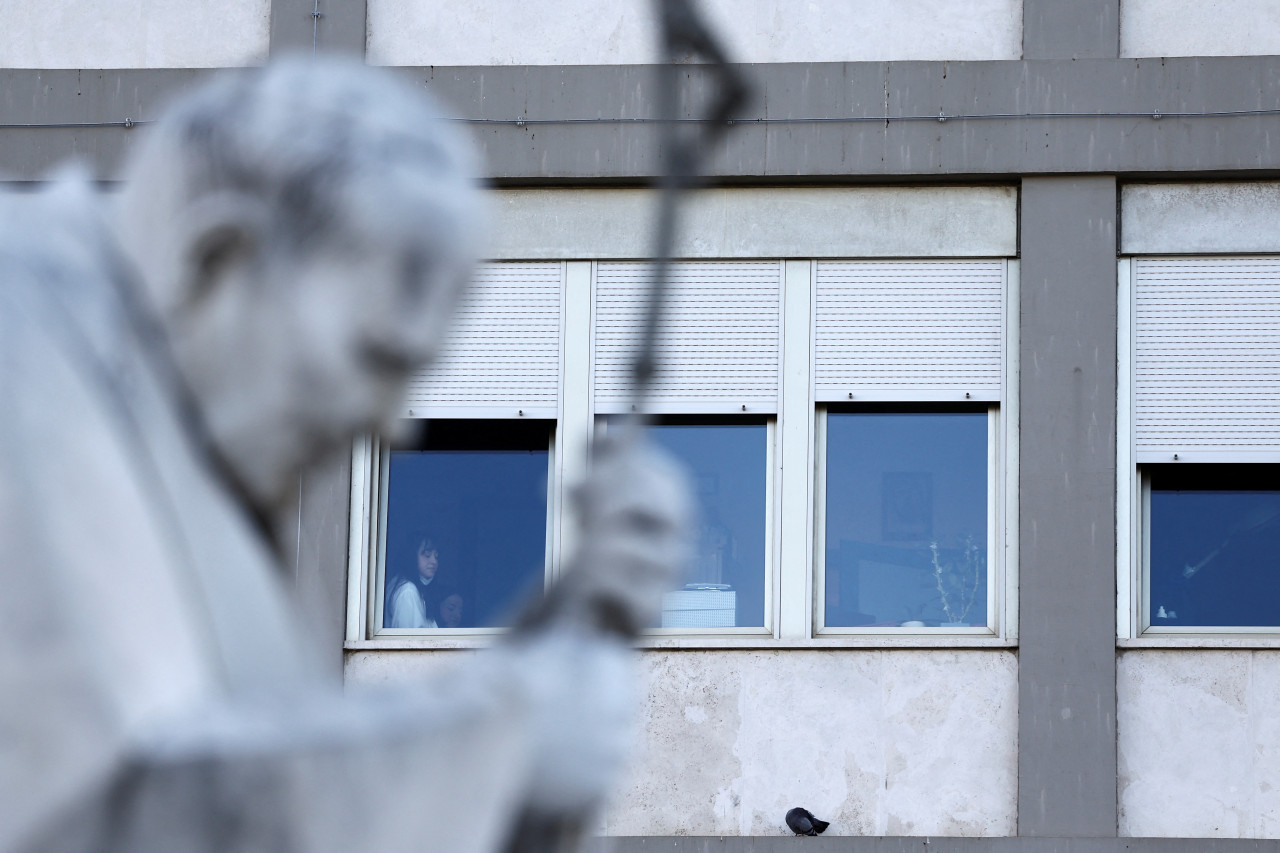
(466, 524)
(906, 518)
(1214, 545)
(728, 461)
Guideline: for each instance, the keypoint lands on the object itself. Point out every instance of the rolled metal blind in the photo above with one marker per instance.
(502, 353)
(909, 330)
(1206, 356)
(718, 344)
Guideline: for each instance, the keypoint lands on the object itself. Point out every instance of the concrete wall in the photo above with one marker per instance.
(1199, 27)
(878, 742)
(790, 222)
(1199, 743)
(585, 32)
(1234, 216)
(133, 33)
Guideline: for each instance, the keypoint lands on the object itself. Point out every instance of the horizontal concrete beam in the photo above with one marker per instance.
(822, 122)
(51, 116)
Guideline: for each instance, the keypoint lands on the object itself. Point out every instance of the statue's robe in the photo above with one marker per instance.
(155, 693)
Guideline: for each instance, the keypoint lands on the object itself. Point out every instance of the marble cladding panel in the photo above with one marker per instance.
(133, 33)
(1199, 28)
(878, 743)
(583, 32)
(898, 742)
(1199, 743)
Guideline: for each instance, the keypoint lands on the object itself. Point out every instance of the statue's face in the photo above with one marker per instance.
(291, 356)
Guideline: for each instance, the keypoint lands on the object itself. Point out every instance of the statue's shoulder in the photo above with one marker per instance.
(55, 233)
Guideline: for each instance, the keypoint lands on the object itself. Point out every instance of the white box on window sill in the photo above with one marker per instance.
(700, 606)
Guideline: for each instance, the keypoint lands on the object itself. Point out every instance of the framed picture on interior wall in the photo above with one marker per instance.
(906, 506)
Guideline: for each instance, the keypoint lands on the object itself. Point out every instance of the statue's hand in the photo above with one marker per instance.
(637, 516)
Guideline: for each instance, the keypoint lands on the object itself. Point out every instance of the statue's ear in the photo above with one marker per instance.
(222, 234)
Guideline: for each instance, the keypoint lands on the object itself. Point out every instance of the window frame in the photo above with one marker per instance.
(771, 511)
(996, 477)
(1133, 503)
(377, 566)
(791, 616)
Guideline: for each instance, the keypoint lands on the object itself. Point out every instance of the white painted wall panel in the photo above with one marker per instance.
(909, 330)
(584, 32)
(718, 344)
(866, 222)
(1199, 27)
(1199, 743)
(884, 742)
(133, 33)
(1206, 357)
(502, 353)
(1200, 218)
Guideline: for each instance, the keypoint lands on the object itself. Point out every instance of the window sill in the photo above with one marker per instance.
(870, 642)
(1201, 641)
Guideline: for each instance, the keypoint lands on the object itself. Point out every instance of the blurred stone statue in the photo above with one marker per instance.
(286, 249)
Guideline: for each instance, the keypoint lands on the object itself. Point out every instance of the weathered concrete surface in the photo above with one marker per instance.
(376, 669)
(1199, 743)
(1199, 28)
(1238, 216)
(584, 32)
(878, 742)
(761, 223)
(340, 27)
(785, 147)
(935, 844)
(1066, 565)
(897, 743)
(1076, 29)
(133, 33)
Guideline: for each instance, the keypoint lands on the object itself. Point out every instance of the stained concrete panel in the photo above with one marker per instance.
(1199, 743)
(879, 743)
(753, 223)
(1218, 217)
(1199, 28)
(133, 33)
(583, 32)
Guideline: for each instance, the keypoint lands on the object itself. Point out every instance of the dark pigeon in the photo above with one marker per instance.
(802, 822)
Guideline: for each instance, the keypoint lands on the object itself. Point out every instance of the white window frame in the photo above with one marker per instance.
(1133, 511)
(379, 461)
(771, 560)
(996, 480)
(801, 226)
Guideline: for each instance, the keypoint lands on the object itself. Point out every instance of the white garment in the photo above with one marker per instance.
(408, 610)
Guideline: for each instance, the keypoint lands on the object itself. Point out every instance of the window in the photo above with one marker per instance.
(1211, 546)
(907, 509)
(465, 539)
(1199, 503)
(725, 584)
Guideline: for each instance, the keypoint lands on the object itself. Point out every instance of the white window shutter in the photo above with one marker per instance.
(1206, 358)
(909, 330)
(718, 343)
(501, 356)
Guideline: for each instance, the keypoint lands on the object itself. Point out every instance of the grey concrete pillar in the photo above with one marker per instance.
(1067, 695)
(301, 26)
(1070, 29)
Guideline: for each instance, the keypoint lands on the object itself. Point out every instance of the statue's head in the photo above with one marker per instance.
(304, 231)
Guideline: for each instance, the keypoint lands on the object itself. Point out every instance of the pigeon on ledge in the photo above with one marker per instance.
(802, 822)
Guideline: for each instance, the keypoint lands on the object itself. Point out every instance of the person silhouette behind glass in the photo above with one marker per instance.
(411, 604)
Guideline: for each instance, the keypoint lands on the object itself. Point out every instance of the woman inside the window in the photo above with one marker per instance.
(411, 603)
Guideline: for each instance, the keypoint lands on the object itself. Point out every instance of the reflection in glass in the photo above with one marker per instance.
(906, 518)
(466, 524)
(724, 585)
(1215, 545)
